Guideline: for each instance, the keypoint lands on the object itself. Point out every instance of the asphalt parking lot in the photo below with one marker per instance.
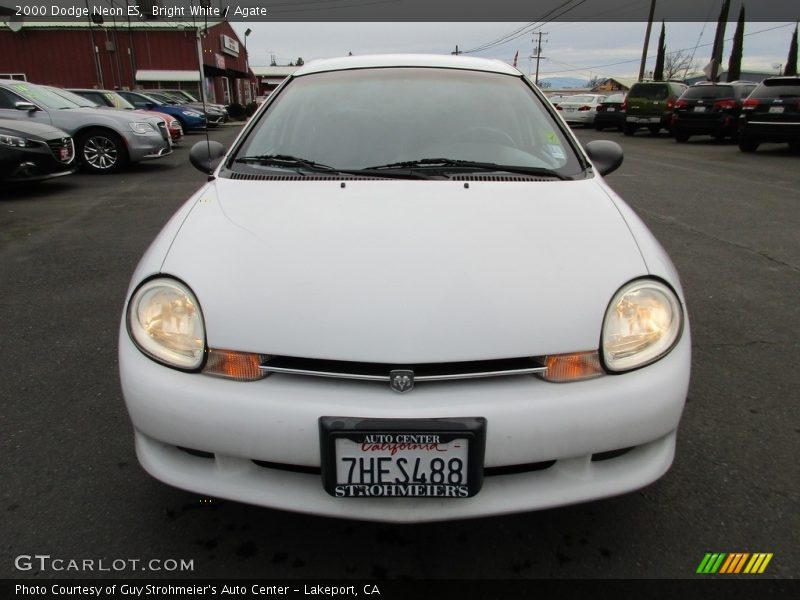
(72, 487)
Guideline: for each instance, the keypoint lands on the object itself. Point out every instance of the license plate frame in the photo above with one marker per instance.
(776, 110)
(445, 430)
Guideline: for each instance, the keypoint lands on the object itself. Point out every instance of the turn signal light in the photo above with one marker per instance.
(585, 108)
(576, 366)
(241, 366)
(681, 104)
(725, 104)
(750, 104)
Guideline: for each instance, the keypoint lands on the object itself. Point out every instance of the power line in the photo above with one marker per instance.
(623, 62)
(519, 32)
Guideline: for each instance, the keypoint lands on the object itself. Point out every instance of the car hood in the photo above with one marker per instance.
(30, 129)
(71, 119)
(404, 271)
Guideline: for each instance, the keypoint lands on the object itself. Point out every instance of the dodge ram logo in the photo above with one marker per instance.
(401, 381)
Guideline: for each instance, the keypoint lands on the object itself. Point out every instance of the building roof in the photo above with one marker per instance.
(623, 82)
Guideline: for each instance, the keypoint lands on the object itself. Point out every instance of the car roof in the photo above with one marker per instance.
(782, 78)
(713, 83)
(445, 61)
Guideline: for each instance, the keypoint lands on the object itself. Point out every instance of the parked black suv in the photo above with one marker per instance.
(709, 108)
(771, 114)
(649, 104)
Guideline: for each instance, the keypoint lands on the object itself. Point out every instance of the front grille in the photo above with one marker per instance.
(63, 149)
(162, 128)
(487, 471)
(422, 372)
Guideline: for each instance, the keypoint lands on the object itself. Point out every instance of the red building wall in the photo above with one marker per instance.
(63, 57)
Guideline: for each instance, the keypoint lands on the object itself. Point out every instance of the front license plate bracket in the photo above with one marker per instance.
(367, 463)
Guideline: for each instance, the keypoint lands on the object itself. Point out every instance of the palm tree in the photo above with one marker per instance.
(791, 61)
(658, 73)
(735, 61)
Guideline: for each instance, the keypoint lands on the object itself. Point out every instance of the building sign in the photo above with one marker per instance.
(229, 45)
(219, 60)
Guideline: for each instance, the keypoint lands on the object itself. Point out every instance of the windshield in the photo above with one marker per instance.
(709, 91)
(779, 88)
(650, 91)
(117, 101)
(138, 97)
(47, 97)
(79, 100)
(182, 96)
(366, 117)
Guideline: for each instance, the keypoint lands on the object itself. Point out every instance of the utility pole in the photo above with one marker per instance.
(539, 56)
(647, 38)
(456, 52)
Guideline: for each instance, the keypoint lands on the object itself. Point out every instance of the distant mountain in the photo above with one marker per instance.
(562, 83)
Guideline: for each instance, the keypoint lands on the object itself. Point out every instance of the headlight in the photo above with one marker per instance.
(641, 325)
(140, 127)
(191, 113)
(13, 141)
(166, 323)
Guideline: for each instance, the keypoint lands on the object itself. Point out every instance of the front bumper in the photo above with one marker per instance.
(144, 147)
(530, 423)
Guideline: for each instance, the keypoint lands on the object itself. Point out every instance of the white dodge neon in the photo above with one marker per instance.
(405, 294)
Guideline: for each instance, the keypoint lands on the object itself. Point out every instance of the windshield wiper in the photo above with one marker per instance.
(467, 165)
(285, 160)
(293, 162)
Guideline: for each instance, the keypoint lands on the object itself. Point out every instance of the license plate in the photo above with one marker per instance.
(402, 458)
(611, 109)
(699, 109)
(569, 109)
(776, 109)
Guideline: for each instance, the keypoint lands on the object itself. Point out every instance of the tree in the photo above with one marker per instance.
(677, 64)
(719, 41)
(658, 75)
(791, 61)
(735, 61)
(299, 62)
(594, 82)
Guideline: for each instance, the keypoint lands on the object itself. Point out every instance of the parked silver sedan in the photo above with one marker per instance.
(580, 109)
(105, 140)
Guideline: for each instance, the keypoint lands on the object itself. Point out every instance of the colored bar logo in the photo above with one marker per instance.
(734, 563)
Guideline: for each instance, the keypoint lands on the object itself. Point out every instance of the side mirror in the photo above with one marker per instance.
(28, 106)
(206, 156)
(606, 155)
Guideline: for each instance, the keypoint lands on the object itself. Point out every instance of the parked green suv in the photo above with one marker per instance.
(650, 104)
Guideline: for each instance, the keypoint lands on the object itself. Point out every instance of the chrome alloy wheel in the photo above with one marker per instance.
(100, 152)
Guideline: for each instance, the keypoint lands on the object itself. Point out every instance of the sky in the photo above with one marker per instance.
(582, 50)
